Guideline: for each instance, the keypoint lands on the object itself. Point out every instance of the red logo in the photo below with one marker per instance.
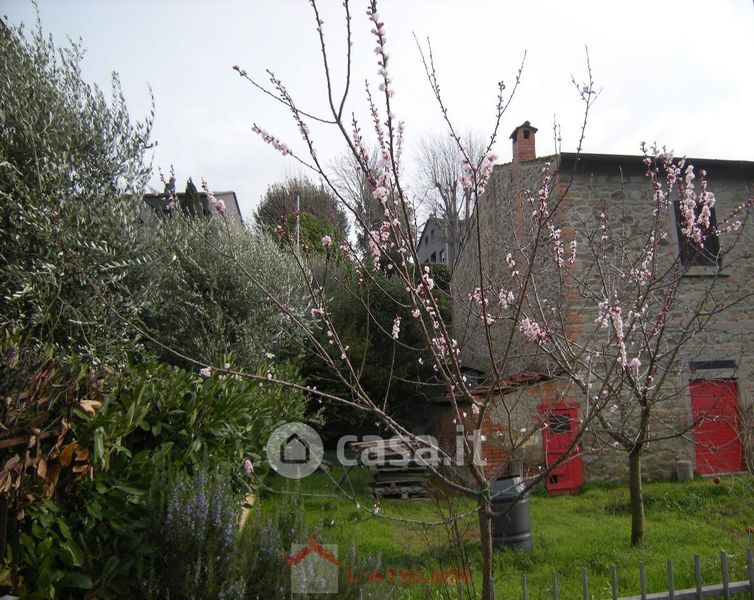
(313, 546)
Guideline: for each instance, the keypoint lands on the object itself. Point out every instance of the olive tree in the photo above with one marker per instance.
(73, 165)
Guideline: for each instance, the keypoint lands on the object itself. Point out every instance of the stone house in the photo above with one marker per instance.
(708, 416)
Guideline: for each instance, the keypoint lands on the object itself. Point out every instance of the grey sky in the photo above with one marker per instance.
(678, 73)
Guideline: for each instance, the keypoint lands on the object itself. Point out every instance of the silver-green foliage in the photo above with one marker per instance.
(208, 297)
(72, 171)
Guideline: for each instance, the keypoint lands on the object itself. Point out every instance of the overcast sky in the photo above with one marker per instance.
(679, 73)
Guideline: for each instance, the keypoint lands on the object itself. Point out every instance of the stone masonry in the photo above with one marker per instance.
(617, 186)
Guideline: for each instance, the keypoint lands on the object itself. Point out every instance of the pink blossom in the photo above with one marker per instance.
(248, 466)
(574, 246)
(510, 261)
(533, 331)
(272, 140)
(557, 244)
(506, 299)
(441, 346)
(318, 311)
(380, 193)
(610, 313)
(396, 327)
(205, 372)
(326, 241)
(216, 202)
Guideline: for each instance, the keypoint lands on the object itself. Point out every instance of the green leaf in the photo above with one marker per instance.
(75, 552)
(79, 580)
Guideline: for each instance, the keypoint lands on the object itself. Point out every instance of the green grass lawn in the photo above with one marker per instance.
(571, 533)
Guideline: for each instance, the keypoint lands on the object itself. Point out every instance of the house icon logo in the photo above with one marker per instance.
(294, 450)
(314, 568)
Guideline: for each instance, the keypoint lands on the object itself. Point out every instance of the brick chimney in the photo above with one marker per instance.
(523, 143)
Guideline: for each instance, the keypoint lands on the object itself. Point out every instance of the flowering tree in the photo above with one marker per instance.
(392, 250)
(641, 308)
(561, 265)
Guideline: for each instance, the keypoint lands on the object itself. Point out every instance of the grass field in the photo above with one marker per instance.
(586, 531)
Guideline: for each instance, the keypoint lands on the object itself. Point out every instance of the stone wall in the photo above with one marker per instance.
(618, 187)
(498, 220)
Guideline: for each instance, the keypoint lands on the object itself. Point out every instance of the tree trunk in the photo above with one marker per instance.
(637, 496)
(485, 530)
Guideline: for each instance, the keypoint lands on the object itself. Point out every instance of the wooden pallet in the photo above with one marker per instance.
(403, 490)
(405, 480)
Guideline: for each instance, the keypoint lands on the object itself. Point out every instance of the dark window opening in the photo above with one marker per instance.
(526, 134)
(699, 365)
(433, 258)
(559, 424)
(692, 253)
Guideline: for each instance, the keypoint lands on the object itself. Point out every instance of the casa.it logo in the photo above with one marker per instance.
(294, 450)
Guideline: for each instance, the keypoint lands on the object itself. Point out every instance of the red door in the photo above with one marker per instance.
(717, 426)
(561, 430)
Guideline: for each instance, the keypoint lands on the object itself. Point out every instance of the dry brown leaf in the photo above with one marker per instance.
(82, 455)
(52, 480)
(90, 406)
(12, 462)
(42, 468)
(80, 468)
(67, 454)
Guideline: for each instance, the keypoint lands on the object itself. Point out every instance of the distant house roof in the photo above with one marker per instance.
(232, 208)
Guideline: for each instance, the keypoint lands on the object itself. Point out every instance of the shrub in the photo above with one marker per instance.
(95, 440)
(195, 522)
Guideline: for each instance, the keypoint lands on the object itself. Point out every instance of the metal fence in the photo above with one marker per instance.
(724, 589)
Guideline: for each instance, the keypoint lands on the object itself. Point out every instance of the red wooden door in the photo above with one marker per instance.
(560, 432)
(717, 426)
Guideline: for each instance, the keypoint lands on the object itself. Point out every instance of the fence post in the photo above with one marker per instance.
(750, 569)
(614, 581)
(524, 590)
(724, 569)
(671, 580)
(643, 581)
(584, 584)
(554, 585)
(698, 577)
